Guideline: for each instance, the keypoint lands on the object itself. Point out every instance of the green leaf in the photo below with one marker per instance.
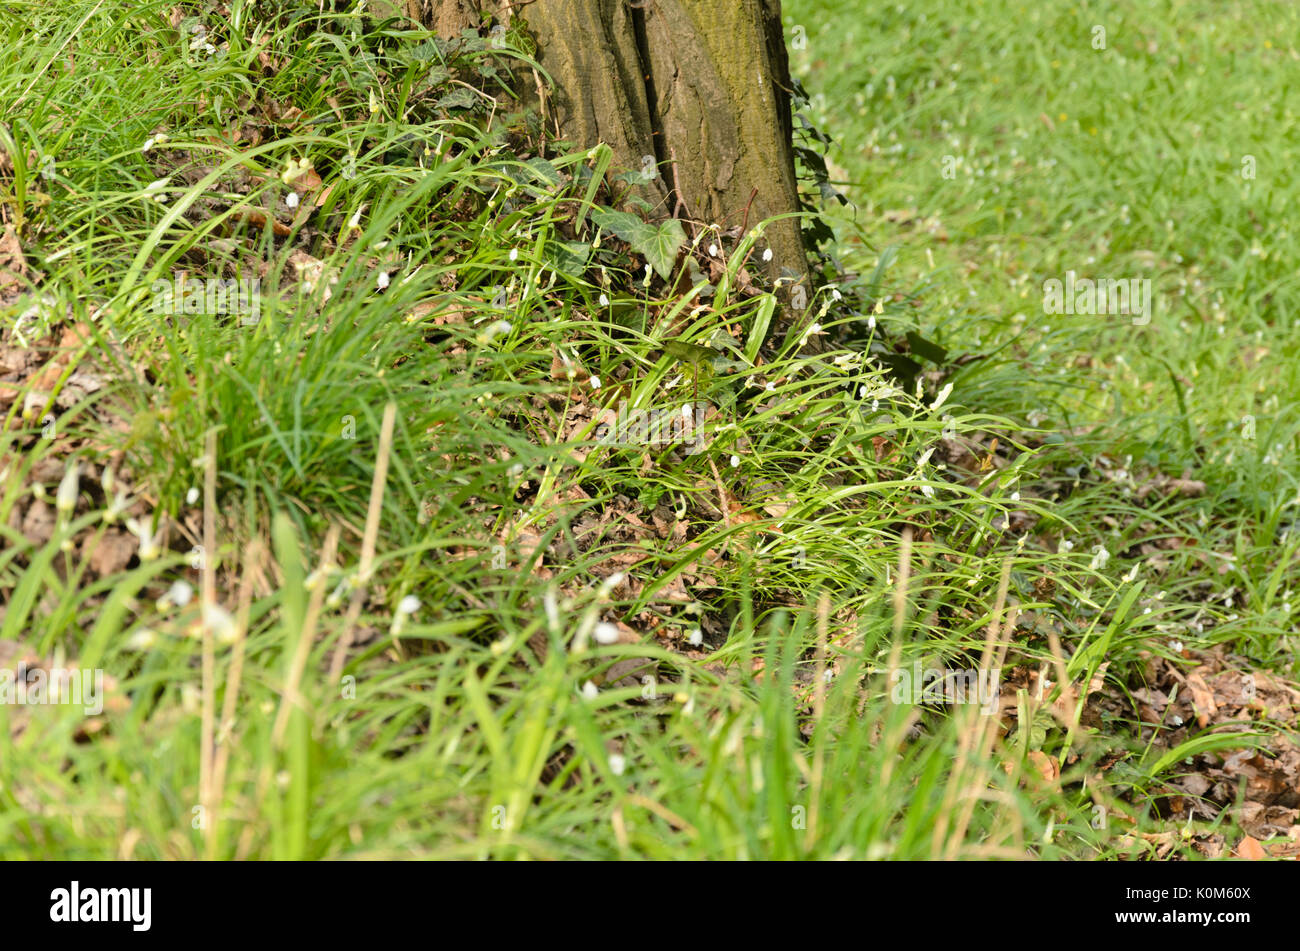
(669, 239)
(926, 349)
(658, 244)
(568, 257)
(618, 223)
(758, 331)
(691, 352)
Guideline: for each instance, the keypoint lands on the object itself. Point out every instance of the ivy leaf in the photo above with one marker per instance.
(618, 223)
(568, 257)
(658, 244)
(661, 250)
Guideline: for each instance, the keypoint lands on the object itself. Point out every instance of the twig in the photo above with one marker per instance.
(367, 540)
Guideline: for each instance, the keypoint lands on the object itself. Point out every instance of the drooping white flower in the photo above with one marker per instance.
(142, 640)
(220, 622)
(496, 329)
(149, 549)
(942, 397)
(69, 486)
(606, 633)
(179, 593)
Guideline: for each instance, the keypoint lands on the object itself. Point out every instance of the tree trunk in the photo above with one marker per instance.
(701, 88)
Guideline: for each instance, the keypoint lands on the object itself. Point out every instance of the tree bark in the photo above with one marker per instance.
(699, 86)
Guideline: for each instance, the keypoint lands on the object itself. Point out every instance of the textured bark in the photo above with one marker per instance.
(702, 86)
(721, 76)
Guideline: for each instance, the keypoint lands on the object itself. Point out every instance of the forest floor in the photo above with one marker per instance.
(379, 556)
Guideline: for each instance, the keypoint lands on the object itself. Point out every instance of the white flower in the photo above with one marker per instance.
(604, 301)
(291, 199)
(141, 640)
(1099, 557)
(943, 395)
(696, 638)
(192, 496)
(1176, 646)
(340, 591)
(836, 295)
(767, 255)
(514, 254)
(590, 691)
(383, 280)
(735, 461)
(219, 621)
(180, 593)
(149, 549)
(617, 764)
(713, 250)
(496, 329)
(606, 633)
(408, 605)
(66, 499)
(116, 507)
(355, 220)
(155, 188)
(595, 382)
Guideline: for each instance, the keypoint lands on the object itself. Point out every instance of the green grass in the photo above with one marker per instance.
(492, 721)
(1123, 162)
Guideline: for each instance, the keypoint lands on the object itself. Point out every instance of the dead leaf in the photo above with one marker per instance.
(1250, 849)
